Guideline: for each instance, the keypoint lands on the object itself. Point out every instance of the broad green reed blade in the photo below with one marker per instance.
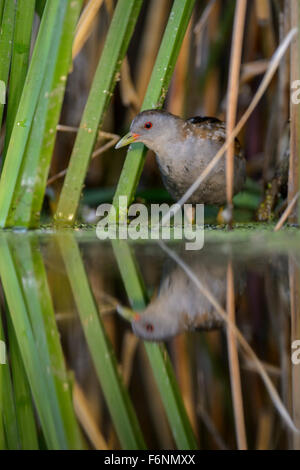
(22, 396)
(8, 415)
(6, 39)
(116, 395)
(45, 401)
(31, 272)
(19, 62)
(17, 307)
(20, 210)
(157, 354)
(31, 185)
(156, 93)
(2, 2)
(2, 364)
(56, 97)
(26, 109)
(106, 76)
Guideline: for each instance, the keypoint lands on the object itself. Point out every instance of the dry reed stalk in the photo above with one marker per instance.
(129, 347)
(251, 38)
(215, 387)
(284, 71)
(270, 368)
(264, 432)
(293, 185)
(112, 142)
(266, 35)
(153, 30)
(279, 326)
(211, 428)
(85, 25)
(86, 418)
(287, 212)
(233, 359)
(154, 403)
(211, 95)
(176, 99)
(262, 10)
(64, 128)
(129, 95)
(239, 336)
(251, 70)
(294, 282)
(264, 18)
(199, 29)
(270, 144)
(233, 95)
(283, 93)
(263, 86)
(279, 112)
(185, 379)
(211, 92)
(284, 350)
(109, 4)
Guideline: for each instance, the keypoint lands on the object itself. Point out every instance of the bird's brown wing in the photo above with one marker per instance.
(213, 128)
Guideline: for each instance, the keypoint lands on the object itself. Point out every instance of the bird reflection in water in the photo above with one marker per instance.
(179, 305)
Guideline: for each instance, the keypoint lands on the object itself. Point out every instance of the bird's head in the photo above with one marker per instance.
(154, 325)
(150, 127)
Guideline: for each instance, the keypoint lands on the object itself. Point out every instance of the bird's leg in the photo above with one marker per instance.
(220, 218)
(224, 216)
(190, 214)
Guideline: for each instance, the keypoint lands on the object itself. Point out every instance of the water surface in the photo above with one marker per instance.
(90, 287)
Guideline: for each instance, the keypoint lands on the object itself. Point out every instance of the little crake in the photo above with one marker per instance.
(183, 150)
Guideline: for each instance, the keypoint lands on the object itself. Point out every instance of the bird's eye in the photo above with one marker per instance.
(148, 125)
(149, 327)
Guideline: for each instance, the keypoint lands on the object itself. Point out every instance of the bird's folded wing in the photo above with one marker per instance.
(214, 129)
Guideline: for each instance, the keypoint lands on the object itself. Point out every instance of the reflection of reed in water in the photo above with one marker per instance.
(179, 305)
